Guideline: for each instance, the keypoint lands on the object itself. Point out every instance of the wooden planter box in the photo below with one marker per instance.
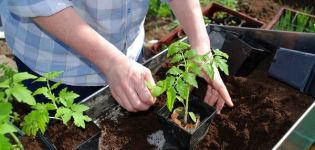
(272, 25)
(209, 12)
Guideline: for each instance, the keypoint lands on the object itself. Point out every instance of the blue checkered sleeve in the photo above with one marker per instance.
(34, 8)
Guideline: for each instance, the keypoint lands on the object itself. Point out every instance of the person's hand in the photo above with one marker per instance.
(126, 79)
(217, 93)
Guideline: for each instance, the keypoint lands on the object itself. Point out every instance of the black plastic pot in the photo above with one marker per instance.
(233, 21)
(295, 68)
(180, 138)
(244, 54)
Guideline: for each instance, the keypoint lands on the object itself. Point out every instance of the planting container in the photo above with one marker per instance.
(180, 137)
(245, 54)
(209, 11)
(273, 23)
(295, 68)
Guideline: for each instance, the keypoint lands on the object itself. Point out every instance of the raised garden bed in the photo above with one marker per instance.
(218, 14)
(292, 20)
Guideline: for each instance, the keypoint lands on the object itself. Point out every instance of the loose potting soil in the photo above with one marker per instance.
(264, 111)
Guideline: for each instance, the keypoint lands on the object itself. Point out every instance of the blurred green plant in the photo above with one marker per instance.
(158, 9)
(300, 22)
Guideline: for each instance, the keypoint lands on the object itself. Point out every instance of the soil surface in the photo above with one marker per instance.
(124, 130)
(263, 10)
(264, 111)
(68, 138)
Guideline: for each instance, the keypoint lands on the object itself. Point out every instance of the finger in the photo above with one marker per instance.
(222, 90)
(214, 97)
(125, 101)
(120, 101)
(208, 95)
(219, 105)
(134, 100)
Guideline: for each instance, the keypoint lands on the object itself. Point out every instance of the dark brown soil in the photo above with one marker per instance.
(32, 143)
(264, 111)
(263, 10)
(68, 138)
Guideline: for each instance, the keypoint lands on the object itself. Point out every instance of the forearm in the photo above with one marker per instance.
(68, 27)
(189, 14)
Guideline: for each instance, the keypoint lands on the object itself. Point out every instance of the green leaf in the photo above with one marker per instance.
(199, 59)
(43, 106)
(174, 71)
(5, 143)
(52, 75)
(157, 91)
(149, 85)
(68, 95)
(170, 80)
(42, 90)
(18, 77)
(217, 52)
(190, 79)
(180, 99)
(209, 70)
(79, 119)
(183, 89)
(34, 121)
(171, 97)
(2, 95)
(192, 116)
(64, 113)
(22, 94)
(7, 128)
(194, 68)
(221, 63)
(176, 47)
(177, 58)
(5, 84)
(79, 107)
(190, 54)
(6, 109)
(56, 85)
(41, 79)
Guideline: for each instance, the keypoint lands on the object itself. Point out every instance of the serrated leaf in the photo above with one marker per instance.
(194, 68)
(79, 119)
(68, 96)
(190, 79)
(5, 143)
(177, 58)
(43, 106)
(173, 49)
(7, 128)
(208, 68)
(174, 71)
(18, 77)
(192, 116)
(6, 109)
(5, 84)
(169, 81)
(189, 54)
(182, 88)
(35, 121)
(41, 79)
(65, 114)
(79, 107)
(22, 94)
(221, 63)
(180, 99)
(56, 85)
(41, 90)
(217, 52)
(53, 75)
(198, 59)
(157, 91)
(171, 97)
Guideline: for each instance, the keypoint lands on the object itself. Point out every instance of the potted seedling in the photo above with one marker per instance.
(185, 118)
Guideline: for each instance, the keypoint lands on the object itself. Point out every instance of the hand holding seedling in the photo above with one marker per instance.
(126, 81)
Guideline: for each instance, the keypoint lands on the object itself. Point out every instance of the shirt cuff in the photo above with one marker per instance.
(34, 8)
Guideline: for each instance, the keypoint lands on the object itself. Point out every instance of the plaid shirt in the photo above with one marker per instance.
(118, 21)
